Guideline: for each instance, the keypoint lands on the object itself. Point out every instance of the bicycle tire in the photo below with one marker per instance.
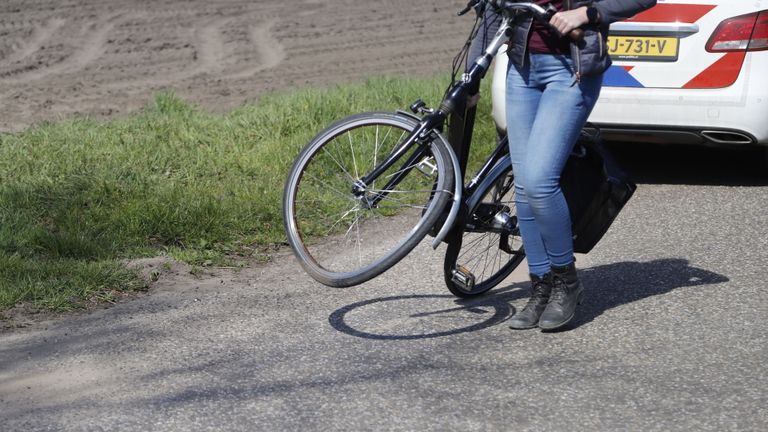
(318, 196)
(472, 249)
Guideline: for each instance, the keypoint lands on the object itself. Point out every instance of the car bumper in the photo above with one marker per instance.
(735, 115)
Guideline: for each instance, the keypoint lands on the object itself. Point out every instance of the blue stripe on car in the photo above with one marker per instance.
(617, 76)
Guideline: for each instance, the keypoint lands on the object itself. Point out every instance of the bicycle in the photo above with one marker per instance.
(412, 186)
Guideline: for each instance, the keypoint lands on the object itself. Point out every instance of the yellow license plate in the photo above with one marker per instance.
(643, 48)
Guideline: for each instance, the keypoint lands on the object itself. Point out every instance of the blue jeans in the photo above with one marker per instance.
(546, 110)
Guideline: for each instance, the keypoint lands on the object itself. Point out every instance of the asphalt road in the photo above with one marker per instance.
(672, 336)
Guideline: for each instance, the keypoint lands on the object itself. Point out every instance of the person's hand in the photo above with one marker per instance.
(566, 21)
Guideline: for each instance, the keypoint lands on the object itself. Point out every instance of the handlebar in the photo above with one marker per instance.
(540, 13)
(470, 5)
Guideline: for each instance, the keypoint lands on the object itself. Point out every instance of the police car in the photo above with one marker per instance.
(684, 71)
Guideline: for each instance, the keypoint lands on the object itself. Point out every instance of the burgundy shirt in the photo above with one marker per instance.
(544, 40)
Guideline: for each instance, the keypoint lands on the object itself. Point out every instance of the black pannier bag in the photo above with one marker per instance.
(596, 189)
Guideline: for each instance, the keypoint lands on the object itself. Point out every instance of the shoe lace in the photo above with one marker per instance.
(540, 292)
(559, 289)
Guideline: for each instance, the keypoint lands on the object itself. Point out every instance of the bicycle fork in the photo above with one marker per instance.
(421, 137)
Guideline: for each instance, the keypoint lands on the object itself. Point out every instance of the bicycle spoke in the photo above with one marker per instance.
(341, 219)
(499, 258)
(380, 143)
(404, 169)
(473, 243)
(480, 252)
(357, 218)
(471, 258)
(398, 191)
(376, 152)
(476, 256)
(352, 149)
(339, 165)
(388, 198)
(469, 254)
(485, 264)
(401, 206)
(332, 189)
(321, 203)
(359, 245)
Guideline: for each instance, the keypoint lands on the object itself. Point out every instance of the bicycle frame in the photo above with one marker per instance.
(455, 107)
(443, 162)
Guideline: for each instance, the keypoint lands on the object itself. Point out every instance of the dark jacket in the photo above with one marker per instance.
(590, 55)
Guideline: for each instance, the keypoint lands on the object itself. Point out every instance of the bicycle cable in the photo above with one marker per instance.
(462, 57)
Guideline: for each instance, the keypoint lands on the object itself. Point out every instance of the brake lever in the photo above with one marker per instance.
(470, 5)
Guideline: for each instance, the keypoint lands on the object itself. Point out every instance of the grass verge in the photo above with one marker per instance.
(78, 196)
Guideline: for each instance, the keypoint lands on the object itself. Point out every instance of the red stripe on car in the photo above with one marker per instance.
(663, 12)
(721, 73)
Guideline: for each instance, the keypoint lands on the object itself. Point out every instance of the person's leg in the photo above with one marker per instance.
(562, 110)
(546, 110)
(522, 102)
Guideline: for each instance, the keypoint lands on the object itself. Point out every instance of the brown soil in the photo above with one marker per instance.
(107, 58)
(62, 58)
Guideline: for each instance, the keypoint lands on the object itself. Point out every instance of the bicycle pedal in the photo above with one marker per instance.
(462, 277)
(427, 167)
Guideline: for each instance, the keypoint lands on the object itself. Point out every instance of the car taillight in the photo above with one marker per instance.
(759, 40)
(741, 33)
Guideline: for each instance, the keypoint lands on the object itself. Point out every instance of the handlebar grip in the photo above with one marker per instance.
(471, 4)
(541, 13)
(576, 35)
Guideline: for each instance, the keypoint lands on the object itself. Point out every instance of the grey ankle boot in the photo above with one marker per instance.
(567, 292)
(529, 317)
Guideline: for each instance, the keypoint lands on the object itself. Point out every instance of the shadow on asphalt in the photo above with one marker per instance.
(498, 302)
(606, 287)
(692, 165)
(613, 285)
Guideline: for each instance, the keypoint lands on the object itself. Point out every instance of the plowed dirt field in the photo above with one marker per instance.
(61, 58)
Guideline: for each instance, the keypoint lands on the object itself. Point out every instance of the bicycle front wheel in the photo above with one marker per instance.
(490, 246)
(343, 236)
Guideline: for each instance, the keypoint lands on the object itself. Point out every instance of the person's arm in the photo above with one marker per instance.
(608, 11)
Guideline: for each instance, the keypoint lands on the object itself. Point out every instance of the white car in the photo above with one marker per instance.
(684, 71)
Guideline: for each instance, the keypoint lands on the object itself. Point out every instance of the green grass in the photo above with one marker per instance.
(78, 196)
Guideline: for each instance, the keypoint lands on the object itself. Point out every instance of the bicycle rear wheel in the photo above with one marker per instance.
(344, 237)
(490, 246)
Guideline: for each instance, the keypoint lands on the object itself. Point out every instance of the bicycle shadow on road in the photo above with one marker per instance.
(606, 287)
(491, 310)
